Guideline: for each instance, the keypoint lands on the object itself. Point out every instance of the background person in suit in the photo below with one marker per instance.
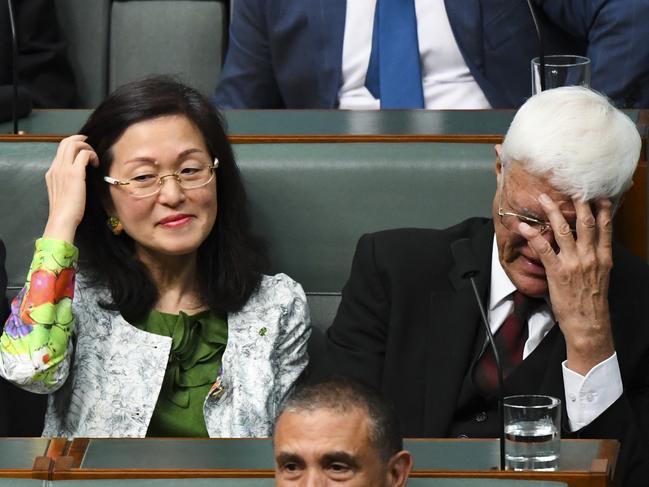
(4, 305)
(474, 54)
(4, 312)
(43, 68)
(571, 304)
(338, 432)
(21, 413)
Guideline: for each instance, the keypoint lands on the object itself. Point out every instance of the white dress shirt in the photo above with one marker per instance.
(446, 79)
(586, 397)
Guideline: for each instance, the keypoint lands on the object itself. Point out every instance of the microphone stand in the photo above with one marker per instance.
(540, 38)
(14, 66)
(464, 257)
(490, 337)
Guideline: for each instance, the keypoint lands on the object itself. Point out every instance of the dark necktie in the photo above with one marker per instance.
(394, 71)
(510, 341)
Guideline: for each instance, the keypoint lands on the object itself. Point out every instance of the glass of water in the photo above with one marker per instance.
(532, 432)
(561, 70)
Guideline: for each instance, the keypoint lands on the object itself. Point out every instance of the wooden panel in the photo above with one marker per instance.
(596, 471)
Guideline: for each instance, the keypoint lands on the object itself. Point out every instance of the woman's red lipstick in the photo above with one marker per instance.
(175, 220)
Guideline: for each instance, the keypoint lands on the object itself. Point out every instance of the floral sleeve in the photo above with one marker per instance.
(34, 351)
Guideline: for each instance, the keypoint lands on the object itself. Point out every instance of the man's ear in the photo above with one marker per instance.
(499, 165)
(399, 468)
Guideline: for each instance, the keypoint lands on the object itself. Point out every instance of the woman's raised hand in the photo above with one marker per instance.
(66, 187)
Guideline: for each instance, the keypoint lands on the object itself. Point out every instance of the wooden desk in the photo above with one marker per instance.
(260, 482)
(583, 462)
(28, 457)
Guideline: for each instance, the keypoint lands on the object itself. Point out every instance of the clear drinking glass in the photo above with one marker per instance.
(561, 70)
(532, 432)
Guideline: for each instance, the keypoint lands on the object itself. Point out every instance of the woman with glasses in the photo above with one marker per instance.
(145, 310)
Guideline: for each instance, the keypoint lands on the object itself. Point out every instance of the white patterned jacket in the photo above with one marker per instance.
(115, 370)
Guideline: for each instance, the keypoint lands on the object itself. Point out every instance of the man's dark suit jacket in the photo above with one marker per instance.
(43, 68)
(21, 413)
(407, 325)
(288, 53)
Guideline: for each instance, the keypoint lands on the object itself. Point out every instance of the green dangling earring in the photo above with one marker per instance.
(115, 225)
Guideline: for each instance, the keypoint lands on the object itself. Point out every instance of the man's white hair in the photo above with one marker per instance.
(577, 139)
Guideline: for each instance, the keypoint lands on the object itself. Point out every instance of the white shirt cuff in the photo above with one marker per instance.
(588, 397)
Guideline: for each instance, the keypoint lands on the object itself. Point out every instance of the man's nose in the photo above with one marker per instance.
(314, 478)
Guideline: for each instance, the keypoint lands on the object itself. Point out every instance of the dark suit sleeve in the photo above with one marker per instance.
(617, 33)
(21, 413)
(247, 79)
(356, 340)
(43, 68)
(4, 305)
(625, 420)
(4, 312)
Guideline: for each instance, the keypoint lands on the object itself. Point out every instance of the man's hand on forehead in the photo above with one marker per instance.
(578, 275)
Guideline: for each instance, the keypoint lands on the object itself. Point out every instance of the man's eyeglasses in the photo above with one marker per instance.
(511, 219)
(189, 176)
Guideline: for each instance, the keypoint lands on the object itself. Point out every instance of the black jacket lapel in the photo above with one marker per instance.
(455, 319)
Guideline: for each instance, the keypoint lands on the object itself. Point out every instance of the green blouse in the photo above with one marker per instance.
(197, 346)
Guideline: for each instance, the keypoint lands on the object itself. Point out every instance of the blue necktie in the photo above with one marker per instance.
(394, 71)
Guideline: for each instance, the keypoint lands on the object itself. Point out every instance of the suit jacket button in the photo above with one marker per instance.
(480, 417)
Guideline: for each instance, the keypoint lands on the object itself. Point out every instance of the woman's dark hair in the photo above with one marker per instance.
(230, 260)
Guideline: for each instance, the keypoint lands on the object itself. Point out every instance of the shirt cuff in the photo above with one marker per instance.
(54, 254)
(588, 397)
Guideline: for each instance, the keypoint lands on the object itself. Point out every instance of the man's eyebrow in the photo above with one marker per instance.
(339, 456)
(288, 457)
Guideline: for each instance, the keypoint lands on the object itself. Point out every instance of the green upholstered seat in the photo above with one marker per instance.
(85, 25)
(178, 37)
(111, 42)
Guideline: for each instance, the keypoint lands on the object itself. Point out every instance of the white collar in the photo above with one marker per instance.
(501, 287)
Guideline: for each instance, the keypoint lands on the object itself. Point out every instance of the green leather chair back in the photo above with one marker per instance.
(184, 38)
(313, 201)
(85, 24)
(111, 42)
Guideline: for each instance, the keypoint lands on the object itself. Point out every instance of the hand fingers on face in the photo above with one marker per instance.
(560, 227)
(541, 246)
(604, 220)
(586, 224)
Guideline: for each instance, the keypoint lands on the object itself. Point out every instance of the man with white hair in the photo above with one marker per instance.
(569, 308)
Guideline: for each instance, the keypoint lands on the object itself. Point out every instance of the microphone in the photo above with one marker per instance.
(540, 38)
(14, 66)
(468, 267)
